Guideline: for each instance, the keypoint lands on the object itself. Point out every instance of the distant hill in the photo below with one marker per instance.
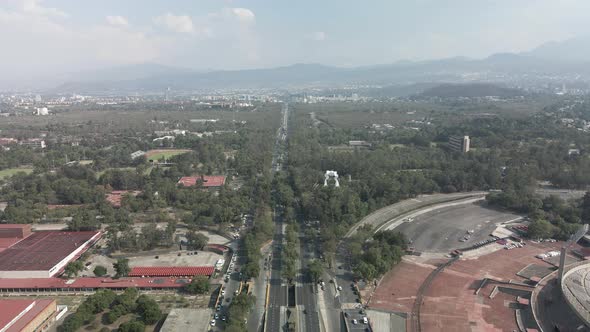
(397, 79)
(575, 49)
(471, 90)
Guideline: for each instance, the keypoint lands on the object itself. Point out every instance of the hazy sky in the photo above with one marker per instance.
(50, 36)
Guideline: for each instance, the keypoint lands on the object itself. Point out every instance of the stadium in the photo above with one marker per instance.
(575, 287)
(562, 300)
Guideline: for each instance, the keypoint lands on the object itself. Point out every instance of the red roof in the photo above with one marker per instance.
(184, 271)
(57, 283)
(17, 226)
(208, 181)
(6, 141)
(116, 196)
(6, 243)
(10, 309)
(38, 307)
(43, 250)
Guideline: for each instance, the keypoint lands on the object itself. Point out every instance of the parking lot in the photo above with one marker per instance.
(452, 227)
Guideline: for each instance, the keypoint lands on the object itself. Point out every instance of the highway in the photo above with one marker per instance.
(306, 289)
(277, 291)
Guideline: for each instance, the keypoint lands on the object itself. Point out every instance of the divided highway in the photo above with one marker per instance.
(277, 294)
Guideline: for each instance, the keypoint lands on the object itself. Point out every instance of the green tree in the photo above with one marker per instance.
(315, 270)
(121, 267)
(100, 271)
(199, 285)
(148, 310)
(196, 241)
(132, 326)
(541, 229)
(73, 268)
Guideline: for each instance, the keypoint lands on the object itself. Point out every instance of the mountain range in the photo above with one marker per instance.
(569, 58)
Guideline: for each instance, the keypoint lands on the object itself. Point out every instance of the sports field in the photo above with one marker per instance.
(6, 173)
(164, 153)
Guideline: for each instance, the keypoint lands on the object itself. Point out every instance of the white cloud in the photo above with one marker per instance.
(319, 36)
(117, 20)
(42, 45)
(180, 23)
(244, 15)
(34, 7)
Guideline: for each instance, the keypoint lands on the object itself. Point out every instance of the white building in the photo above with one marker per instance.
(42, 111)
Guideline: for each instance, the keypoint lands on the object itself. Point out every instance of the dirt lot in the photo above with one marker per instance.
(450, 304)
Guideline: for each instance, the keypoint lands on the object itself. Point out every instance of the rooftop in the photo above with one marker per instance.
(116, 196)
(209, 181)
(159, 271)
(17, 226)
(187, 320)
(65, 284)
(42, 250)
(9, 309)
(35, 307)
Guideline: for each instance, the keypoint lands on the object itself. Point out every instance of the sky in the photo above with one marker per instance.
(45, 37)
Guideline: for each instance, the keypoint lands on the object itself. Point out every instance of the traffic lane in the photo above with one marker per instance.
(344, 280)
(331, 307)
(355, 321)
(308, 289)
(306, 298)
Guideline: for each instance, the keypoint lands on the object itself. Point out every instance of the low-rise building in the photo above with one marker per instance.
(43, 254)
(26, 315)
(187, 320)
(35, 143)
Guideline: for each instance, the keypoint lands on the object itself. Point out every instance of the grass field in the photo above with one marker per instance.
(6, 173)
(166, 154)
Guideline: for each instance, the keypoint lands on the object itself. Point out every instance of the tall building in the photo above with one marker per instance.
(459, 144)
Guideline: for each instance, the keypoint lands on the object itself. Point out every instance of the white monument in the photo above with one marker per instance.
(331, 174)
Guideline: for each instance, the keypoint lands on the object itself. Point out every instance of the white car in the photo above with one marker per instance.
(222, 292)
(365, 320)
(213, 322)
(354, 321)
(339, 288)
